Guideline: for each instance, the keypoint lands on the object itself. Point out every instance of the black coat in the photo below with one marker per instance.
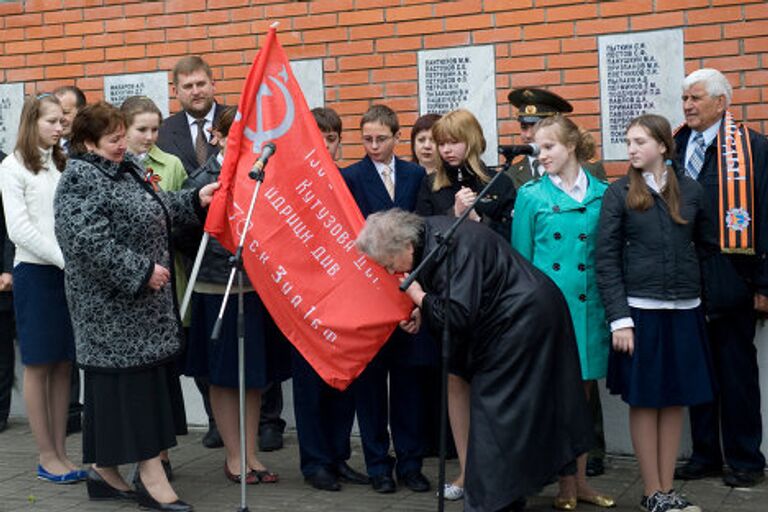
(647, 254)
(730, 280)
(528, 412)
(495, 209)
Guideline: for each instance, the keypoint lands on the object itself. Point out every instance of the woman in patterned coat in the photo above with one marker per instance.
(114, 230)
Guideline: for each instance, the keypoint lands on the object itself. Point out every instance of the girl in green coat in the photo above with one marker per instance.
(554, 226)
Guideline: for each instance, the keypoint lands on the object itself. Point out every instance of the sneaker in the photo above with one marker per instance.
(657, 502)
(452, 492)
(681, 503)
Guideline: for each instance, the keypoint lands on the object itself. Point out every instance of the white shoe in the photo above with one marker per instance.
(452, 492)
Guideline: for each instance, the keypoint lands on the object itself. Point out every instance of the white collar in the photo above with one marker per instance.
(208, 117)
(380, 166)
(579, 189)
(650, 180)
(709, 134)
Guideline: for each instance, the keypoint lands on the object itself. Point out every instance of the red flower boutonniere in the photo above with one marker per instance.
(153, 179)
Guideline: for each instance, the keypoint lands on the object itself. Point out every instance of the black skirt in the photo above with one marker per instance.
(671, 364)
(131, 416)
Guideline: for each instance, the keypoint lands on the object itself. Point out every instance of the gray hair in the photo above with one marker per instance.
(388, 233)
(714, 82)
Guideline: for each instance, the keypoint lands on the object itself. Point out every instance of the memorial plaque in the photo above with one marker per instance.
(309, 74)
(640, 73)
(11, 103)
(152, 85)
(463, 77)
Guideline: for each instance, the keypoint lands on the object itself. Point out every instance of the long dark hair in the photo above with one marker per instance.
(638, 197)
(28, 140)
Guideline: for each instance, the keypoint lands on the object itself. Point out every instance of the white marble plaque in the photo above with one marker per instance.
(640, 73)
(153, 85)
(462, 77)
(11, 103)
(309, 74)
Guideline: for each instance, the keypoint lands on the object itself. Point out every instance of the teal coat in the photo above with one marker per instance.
(558, 234)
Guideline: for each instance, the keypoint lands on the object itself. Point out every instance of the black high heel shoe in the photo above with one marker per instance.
(99, 489)
(146, 500)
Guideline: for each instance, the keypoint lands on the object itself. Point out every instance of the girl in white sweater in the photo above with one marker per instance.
(29, 178)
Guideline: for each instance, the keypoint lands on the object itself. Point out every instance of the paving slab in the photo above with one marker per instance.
(200, 481)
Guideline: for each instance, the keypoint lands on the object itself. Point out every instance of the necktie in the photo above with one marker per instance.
(535, 168)
(696, 161)
(386, 176)
(201, 143)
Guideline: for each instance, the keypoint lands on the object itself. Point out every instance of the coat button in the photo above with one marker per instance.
(582, 236)
(555, 266)
(556, 209)
(583, 298)
(582, 267)
(557, 236)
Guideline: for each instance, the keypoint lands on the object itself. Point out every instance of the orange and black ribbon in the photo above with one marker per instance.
(736, 178)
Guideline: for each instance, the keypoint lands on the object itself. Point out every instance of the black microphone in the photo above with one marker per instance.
(268, 150)
(522, 149)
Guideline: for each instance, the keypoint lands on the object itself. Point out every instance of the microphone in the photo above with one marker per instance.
(522, 149)
(268, 150)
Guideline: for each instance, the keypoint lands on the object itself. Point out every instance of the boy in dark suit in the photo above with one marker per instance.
(381, 181)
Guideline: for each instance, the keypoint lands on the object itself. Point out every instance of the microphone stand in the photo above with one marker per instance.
(236, 261)
(445, 242)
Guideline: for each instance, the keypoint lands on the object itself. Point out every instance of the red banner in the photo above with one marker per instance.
(335, 306)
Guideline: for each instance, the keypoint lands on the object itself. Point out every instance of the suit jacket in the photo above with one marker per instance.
(730, 279)
(175, 138)
(371, 196)
(369, 192)
(520, 170)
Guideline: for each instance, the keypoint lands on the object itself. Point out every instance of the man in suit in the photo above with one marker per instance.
(6, 320)
(381, 181)
(187, 134)
(72, 99)
(533, 105)
(736, 288)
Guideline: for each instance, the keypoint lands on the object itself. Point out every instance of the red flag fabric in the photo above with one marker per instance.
(334, 305)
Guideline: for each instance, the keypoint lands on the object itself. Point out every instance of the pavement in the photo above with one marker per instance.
(200, 481)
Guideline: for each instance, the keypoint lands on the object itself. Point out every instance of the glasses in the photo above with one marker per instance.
(381, 139)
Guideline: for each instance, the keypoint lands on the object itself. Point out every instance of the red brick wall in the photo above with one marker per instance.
(369, 47)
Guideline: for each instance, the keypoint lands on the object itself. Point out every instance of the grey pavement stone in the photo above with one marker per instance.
(200, 481)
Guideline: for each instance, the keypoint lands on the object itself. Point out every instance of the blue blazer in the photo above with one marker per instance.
(369, 192)
(371, 196)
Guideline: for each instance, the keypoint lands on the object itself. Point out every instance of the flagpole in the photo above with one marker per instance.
(193, 275)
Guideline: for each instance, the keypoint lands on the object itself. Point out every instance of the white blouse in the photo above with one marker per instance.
(28, 206)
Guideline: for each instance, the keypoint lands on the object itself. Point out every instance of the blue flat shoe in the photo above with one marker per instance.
(72, 477)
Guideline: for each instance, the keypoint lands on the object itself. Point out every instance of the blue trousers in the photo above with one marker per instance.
(400, 406)
(324, 418)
